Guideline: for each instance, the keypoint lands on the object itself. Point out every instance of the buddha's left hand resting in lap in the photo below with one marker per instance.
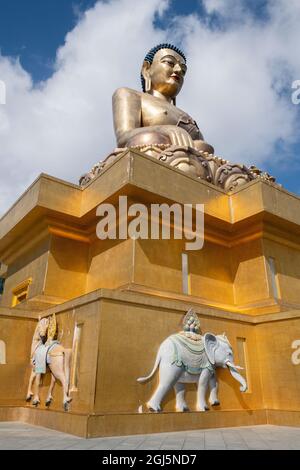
(151, 117)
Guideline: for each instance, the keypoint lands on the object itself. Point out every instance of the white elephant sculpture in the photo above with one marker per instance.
(46, 351)
(187, 357)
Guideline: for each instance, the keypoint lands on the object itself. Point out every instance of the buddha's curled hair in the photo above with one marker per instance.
(150, 55)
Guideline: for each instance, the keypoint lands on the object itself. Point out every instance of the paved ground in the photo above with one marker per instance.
(23, 436)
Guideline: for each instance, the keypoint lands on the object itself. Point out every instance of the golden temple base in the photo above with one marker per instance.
(127, 297)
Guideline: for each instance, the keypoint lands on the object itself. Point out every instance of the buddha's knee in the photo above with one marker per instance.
(148, 138)
(203, 146)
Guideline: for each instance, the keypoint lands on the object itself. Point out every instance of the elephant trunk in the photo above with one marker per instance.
(235, 374)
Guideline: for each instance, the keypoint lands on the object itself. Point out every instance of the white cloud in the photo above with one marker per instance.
(64, 125)
(226, 8)
(236, 80)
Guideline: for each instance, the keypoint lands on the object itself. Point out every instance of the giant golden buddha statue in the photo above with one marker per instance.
(151, 117)
(150, 122)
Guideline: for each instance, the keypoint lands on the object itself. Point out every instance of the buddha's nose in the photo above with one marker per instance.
(177, 68)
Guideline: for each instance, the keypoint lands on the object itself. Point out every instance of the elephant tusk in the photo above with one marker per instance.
(230, 364)
(237, 376)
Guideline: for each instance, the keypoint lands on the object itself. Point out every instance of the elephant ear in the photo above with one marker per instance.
(210, 344)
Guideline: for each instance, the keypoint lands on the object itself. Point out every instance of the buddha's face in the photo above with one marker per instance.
(167, 72)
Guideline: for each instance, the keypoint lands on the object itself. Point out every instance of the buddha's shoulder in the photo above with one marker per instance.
(125, 93)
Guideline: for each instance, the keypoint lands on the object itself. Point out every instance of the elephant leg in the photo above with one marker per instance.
(180, 399)
(202, 388)
(29, 394)
(49, 396)
(168, 376)
(213, 397)
(36, 398)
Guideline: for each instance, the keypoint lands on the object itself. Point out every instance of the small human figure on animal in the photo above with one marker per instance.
(47, 351)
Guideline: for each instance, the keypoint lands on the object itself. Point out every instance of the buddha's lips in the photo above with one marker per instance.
(176, 77)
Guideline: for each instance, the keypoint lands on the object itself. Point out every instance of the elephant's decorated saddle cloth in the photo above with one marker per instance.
(41, 357)
(189, 354)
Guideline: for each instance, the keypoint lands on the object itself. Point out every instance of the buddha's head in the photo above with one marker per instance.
(163, 70)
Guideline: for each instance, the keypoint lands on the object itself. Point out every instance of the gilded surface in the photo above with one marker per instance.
(49, 236)
(151, 122)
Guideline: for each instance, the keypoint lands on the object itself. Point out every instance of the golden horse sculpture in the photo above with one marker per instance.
(46, 351)
(150, 121)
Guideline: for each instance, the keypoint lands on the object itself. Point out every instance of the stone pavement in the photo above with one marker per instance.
(15, 435)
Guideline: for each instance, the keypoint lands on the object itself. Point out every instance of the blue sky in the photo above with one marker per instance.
(241, 102)
(34, 29)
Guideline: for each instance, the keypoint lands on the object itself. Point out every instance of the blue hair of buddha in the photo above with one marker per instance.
(150, 56)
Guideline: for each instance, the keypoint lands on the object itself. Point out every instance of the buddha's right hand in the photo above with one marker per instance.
(177, 135)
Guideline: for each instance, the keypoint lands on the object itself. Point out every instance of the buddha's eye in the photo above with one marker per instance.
(169, 62)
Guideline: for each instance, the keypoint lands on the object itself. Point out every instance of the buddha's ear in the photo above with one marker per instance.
(145, 69)
(145, 73)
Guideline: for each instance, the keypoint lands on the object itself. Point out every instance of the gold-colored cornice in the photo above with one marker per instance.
(52, 206)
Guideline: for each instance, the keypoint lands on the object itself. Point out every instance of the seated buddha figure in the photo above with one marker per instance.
(151, 122)
(151, 117)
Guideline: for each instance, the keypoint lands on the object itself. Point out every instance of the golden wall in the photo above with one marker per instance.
(120, 336)
(110, 264)
(130, 336)
(32, 264)
(126, 297)
(249, 273)
(287, 263)
(67, 268)
(17, 335)
(279, 374)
